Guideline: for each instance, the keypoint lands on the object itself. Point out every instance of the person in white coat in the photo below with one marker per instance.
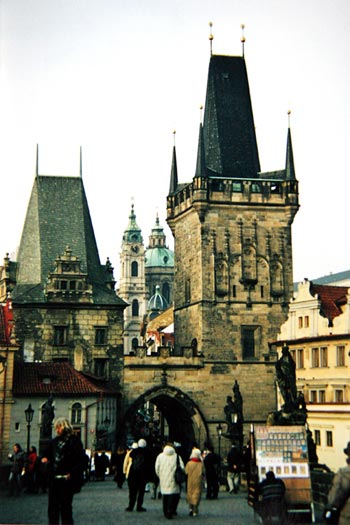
(165, 467)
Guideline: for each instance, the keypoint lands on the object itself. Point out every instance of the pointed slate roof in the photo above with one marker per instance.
(173, 174)
(58, 216)
(200, 166)
(229, 133)
(290, 171)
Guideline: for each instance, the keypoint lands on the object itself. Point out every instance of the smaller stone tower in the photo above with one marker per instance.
(132, 284)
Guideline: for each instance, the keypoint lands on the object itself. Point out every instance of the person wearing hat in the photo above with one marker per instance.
(339, 494)
(139, 475)
(194, 470)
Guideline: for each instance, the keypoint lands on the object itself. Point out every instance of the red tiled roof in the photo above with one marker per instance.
(331, 297)
(53, 378)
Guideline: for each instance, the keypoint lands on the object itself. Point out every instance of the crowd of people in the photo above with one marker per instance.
(164, 471)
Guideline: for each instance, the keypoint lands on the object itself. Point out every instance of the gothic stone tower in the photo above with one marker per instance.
(233, 243)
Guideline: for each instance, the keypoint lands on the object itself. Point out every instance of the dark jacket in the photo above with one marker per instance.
(234, 460)
(66, 455)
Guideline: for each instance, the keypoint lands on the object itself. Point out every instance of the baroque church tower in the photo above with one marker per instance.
(232, 230)
(132, 283)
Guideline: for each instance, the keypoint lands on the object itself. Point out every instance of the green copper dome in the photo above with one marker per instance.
(157, 253)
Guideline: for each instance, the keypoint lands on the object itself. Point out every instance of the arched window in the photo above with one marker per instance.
(76, 413)
(134, 343)
(134, 269)
(166, 291)
(135, 308)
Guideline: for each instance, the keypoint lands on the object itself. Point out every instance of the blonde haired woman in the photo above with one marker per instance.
(65, 459)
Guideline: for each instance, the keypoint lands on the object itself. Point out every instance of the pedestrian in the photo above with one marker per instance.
(271, 495)
(165, 467)
(117, 462)
(18, 459)
(138, 476)
(65, 460)
(31, 470)
(104, 465)
(339, 494)
(194, 471)
(234, 461)
(212, 463)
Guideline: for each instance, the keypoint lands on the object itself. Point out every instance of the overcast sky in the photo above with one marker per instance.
(117, 77)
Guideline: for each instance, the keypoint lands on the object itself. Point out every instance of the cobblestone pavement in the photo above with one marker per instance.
(103, 503)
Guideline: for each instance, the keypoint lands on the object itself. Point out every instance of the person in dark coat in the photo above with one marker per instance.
(65, 459)
(271, 494)
(18, 459)
(117, 462)
(139, 475)
(212, 463)
(234, 461)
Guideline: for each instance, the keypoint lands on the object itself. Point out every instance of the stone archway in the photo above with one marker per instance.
(185, 422)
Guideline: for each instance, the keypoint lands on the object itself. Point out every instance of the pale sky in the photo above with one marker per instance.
(117, 77)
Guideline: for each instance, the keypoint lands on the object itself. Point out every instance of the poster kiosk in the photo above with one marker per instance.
(283, 449)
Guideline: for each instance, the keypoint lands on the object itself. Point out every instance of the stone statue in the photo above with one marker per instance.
(286, 379)
(47, 416)
(238, 402)
(229, 413)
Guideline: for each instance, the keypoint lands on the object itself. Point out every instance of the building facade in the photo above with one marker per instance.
(318, 335)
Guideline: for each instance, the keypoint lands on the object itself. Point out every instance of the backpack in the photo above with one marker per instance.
(138, 462)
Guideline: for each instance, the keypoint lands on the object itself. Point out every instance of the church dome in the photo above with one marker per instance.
(157, 253)
(157, 301)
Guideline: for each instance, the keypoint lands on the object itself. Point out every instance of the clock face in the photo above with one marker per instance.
(135, 249)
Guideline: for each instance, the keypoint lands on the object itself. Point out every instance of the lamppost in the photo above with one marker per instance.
(219, 431)
(29, 413)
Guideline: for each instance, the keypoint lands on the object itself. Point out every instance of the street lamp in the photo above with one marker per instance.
(29, 413)
(219, 431)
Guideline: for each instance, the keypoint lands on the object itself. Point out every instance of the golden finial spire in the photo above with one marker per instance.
(289, 113)
(243, 39)
(201, 113)
(174, 133)
(211, 38)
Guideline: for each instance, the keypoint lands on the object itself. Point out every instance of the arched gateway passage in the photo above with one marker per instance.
(165, 412)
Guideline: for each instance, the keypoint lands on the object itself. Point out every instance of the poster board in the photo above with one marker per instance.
(283, 449)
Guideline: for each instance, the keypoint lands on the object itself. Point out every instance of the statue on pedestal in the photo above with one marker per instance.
(47, 417)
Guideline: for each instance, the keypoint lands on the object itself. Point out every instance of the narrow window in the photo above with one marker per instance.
(329, 438)
(100, 367)
(135, 308)
(234, 291)
(307, 321)
(300, 358)
(248, 342)
(76, 413)
(134, 343)
(134, 269)
(340, 355)
(60, 335)
(315, 358)
(100, 336)
(300, 322)
(324, 357)
(339, 396)
(313, 396)
(261, 292)
(317, 437)
(321, 396)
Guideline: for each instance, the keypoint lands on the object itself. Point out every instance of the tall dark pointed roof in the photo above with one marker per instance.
(200, 166)
(173, 174)
(229, 133)
(290, 171)
(58, 216)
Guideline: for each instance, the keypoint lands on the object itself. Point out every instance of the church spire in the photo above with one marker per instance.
(201, 166)
(290, 171)
(173, 175)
